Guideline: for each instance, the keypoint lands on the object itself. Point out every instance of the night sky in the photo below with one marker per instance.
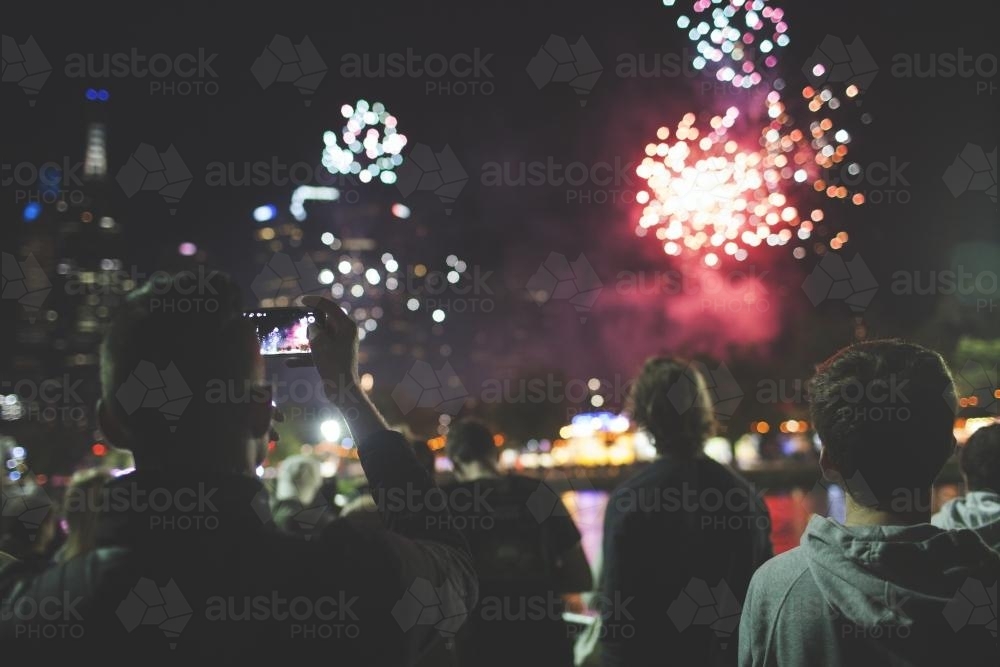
(509, 231)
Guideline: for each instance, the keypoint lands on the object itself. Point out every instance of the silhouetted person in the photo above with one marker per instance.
(298, 507)
(526, 560)
(886, 587)
(684, 528)
(189, 568)
(979, 508)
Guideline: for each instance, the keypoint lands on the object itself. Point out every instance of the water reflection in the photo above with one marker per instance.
(790, 511)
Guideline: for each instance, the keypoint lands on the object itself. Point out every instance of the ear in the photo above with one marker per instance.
(829, 469)
(114, 431)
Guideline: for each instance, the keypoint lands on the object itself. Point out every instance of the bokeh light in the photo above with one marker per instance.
(738, 40)
(371, 147)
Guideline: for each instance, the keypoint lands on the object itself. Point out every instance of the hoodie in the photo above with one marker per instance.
(978, 511)
(874, 595)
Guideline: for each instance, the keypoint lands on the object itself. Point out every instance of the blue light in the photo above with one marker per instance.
(103, 95)
(91, 94)
(265, 213)
(98, 94)
(32, 211)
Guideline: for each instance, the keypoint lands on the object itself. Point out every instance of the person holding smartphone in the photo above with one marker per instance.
(188, 564)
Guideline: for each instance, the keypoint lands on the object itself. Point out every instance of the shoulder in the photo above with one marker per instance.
(782, 573)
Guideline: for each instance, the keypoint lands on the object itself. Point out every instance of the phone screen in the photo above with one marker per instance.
(282, 332)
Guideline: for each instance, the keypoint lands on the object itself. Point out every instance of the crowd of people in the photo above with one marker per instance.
(481, 570)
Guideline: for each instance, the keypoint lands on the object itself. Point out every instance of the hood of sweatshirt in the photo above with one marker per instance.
(893, 575)
(978, 511)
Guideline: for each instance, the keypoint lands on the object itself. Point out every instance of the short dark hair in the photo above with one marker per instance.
(670, 400)
(172, 340)
(470, 440)
(980, 459)
(885, 410)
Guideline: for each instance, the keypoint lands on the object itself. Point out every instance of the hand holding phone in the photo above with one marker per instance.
(284, 332)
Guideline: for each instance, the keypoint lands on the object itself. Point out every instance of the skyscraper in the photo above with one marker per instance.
(72, 248)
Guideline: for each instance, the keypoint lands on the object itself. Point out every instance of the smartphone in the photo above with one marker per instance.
(282, 332)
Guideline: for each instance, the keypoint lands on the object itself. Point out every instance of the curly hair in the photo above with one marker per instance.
(670, 401)
(885, 410)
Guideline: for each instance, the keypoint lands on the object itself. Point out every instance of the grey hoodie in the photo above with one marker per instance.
(880, 595)
(978, 511)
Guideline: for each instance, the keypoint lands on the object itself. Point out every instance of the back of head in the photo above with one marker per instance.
(176, 367)
(980, 459)
(471, 440)
(670, 401)
(884, 411)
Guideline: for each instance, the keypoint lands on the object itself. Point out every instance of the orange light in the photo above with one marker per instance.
(763, 427)
(436, 443)
(498, 439)
(98, 449)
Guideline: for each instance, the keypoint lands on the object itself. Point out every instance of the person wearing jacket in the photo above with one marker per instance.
(886, 587)
(189, 568)
(979, 508)
(683, 527)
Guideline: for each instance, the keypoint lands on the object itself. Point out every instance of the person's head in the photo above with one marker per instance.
(670, 401)
(82, 508)
(470, 445)
(884, 411)
(182, 377)
(299, 477)
(980, 460)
